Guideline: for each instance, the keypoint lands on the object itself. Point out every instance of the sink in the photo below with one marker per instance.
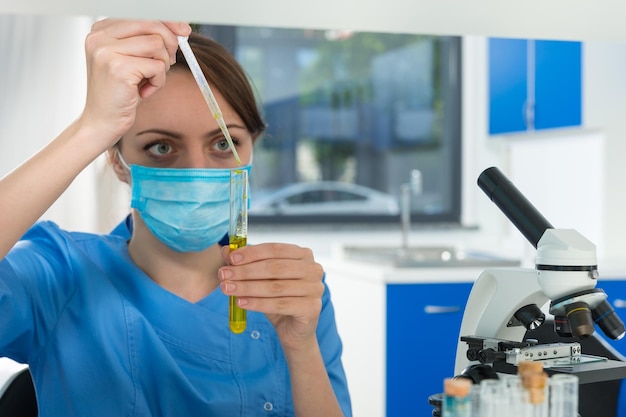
(426, 257)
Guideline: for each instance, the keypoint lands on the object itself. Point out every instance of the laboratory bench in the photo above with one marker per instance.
(400, 328)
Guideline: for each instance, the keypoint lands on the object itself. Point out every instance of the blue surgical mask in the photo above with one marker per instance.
(188, 209)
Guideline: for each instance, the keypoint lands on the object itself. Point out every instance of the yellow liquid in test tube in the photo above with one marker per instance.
(236, 314)
(238, 238)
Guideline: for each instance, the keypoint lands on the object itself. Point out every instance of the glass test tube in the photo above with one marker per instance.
(475, 393)
(514, 391)
(493, 399)
(238, 237)
(563, 395)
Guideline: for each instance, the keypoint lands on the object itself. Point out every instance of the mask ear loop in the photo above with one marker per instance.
(124, 165)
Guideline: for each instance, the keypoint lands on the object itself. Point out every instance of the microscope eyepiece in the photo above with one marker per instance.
(513, 204)
(605, 317)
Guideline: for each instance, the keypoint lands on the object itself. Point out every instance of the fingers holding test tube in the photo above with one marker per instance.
(281, 280)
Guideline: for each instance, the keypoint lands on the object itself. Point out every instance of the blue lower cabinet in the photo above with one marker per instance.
(423, 322)
(616, 296)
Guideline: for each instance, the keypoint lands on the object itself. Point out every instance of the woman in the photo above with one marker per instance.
(135, 323)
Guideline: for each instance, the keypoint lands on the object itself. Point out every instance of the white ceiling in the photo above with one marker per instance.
(547, 19)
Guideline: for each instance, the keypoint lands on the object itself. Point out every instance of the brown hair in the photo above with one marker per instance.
(222, 70)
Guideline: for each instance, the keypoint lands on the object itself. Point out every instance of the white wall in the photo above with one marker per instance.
(605, 108)
(42, 85)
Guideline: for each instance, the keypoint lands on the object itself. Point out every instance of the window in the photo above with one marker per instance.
(352, 109)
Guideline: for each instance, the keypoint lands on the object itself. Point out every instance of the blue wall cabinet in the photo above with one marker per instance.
(534, 85)
(423, 322)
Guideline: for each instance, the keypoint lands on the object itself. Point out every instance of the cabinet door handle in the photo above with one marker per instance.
(441, 309)
(619, 303)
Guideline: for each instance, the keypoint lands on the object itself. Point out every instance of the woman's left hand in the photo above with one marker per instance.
(281, 280)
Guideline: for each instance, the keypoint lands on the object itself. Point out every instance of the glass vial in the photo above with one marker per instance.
(493, 399)
(238, 237)
(563, 395)
(457, 401)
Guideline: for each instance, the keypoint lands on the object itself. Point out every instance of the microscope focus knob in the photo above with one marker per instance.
(490, 356)
(472, 354)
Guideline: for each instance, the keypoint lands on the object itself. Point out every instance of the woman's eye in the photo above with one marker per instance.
(222, 145)
(160, 149)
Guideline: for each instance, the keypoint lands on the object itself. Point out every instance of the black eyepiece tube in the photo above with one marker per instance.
(513, 204)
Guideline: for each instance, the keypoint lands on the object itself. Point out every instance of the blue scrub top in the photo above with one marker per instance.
(102, 339)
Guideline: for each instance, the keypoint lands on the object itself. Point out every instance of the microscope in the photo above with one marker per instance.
(506, 304)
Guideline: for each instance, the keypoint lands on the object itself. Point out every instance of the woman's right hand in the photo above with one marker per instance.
(127, 61)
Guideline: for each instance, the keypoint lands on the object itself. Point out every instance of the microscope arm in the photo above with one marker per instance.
(497, 294)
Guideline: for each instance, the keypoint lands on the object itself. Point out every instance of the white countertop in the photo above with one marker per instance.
(338, 264)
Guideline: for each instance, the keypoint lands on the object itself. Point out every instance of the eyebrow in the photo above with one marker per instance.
(177, 135)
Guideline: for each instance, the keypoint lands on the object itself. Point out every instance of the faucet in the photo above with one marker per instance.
(407, 191)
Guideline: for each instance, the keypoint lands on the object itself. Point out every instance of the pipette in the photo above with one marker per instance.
(198, 75)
